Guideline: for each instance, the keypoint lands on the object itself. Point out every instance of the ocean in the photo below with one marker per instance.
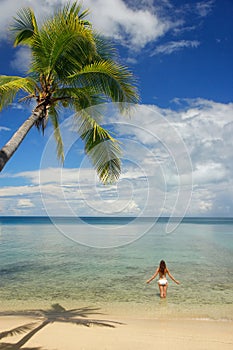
(105, 262)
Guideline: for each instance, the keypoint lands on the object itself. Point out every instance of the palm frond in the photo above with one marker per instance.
(11, 85)
(63, 44)
(102, 149)
(109, 78)
(49, 52)
(79, 98)
(24, 26)
(105, 157)
(14, 82)
(74, 11)
(104, 48)
(57, 134)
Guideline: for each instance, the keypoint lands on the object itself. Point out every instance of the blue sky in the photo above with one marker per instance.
(177, 146)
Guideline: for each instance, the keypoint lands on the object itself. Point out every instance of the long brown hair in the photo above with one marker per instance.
(162, 266)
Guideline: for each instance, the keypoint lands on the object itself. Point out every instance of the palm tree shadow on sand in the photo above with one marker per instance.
(57, 313)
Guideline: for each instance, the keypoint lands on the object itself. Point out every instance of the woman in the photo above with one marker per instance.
(162, 270)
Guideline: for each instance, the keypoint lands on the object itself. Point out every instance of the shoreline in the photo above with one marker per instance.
(155, 310)
(125, 333)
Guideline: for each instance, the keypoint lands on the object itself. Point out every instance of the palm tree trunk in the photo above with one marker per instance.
(11, 146)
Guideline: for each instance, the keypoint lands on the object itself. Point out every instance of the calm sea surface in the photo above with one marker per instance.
(105, 263)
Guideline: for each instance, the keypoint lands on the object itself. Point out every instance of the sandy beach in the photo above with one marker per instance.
(125, 333)
(56, 295)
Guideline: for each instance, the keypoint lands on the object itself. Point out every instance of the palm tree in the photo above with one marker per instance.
(71, 66)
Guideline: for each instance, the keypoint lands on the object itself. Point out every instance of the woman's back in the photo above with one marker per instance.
(162, 273)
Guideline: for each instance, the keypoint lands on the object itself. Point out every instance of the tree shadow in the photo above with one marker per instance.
(56, 313)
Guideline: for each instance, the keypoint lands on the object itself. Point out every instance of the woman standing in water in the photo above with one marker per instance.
(162, 270)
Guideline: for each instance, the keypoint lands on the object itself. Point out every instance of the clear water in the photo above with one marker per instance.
(39, 266)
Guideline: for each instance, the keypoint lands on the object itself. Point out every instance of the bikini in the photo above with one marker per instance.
(162, 281)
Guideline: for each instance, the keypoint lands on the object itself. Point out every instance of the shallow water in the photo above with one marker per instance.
(40, 266)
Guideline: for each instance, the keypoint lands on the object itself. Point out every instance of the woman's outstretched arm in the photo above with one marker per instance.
(153, 277)
(170, 275)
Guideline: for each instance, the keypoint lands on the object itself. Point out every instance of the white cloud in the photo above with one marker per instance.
(134, 27)
(157, 172)
(209, 172)
(203, 8)
(173, 46)
(22, 60)
(3, 128)
(25, 203)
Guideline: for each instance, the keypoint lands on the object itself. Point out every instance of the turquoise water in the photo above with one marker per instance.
(39, 266)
